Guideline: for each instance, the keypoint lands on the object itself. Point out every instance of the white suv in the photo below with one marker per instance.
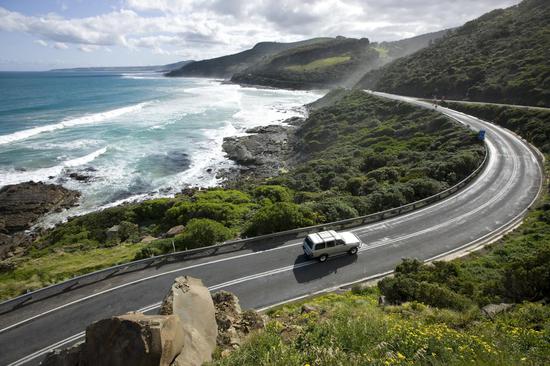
(322, 244)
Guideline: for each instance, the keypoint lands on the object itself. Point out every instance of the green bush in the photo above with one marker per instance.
(403, 289)
(201, 233)
(273, 193)
(278, 217)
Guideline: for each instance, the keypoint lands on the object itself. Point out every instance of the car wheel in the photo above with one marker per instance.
(323, 258)
(353, 251)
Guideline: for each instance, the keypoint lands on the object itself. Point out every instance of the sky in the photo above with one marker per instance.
(46, 34)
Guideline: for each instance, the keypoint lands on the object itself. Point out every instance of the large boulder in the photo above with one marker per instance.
(134, 339)
(190, 301)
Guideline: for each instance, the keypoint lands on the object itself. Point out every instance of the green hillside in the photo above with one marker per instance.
(226, 66)
(336, 62)
(500, 57)
(312, 66)
(313, 63)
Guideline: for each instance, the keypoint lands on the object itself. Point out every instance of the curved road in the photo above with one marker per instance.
(277, 272)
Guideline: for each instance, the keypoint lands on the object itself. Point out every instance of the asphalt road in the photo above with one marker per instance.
(277, 272)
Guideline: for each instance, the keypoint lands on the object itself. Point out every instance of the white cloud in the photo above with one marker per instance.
(88, 48)
(41, 42)
(206, 28)
(60, 46)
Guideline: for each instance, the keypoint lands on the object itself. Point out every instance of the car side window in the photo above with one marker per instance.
(320, 246)
(331, 244)
(340, 242)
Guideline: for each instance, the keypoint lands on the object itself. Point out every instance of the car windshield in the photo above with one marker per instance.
(308, 242)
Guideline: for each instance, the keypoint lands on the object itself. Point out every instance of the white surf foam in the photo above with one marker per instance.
(87, 119)
(44, 174)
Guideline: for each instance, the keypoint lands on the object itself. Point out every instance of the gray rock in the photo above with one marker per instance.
(71, 356)
(306, 308)
(22, 204)
(175, 231)
(492, 310)
(190, 301)
(112, 234)
(131, 339)
(234, 325)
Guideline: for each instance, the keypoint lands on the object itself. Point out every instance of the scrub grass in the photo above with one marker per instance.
(34, 273)
(351, 329)
(319, 64)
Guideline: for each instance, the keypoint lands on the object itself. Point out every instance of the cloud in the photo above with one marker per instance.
(60, 46)
(41, 42)
(207, 28)
(88, 48)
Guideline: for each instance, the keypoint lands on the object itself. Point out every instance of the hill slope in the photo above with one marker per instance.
(226, 66)
(337, 62)
(500, 57)
(311, 66)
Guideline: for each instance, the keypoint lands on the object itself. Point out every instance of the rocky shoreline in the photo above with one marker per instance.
(21, 205)
(265, 152)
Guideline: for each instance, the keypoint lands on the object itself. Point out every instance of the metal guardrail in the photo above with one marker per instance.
(229, 246)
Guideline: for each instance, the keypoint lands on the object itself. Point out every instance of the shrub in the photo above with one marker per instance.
(273, 193)
(334, 209)
(201, 233)
(278, 217)
(403, 289)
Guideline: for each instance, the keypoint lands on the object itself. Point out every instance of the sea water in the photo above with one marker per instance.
(127, 136)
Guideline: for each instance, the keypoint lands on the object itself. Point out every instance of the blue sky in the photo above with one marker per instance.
(46, 34)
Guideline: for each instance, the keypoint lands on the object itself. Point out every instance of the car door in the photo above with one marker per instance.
(331, 247)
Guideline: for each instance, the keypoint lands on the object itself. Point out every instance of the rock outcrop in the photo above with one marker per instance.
(262, 154)
(234, 325)
(22, 204)
(131, 339)
(175, 230)
(191, 302)
(134, 339)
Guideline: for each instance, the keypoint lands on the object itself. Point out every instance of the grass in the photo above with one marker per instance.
(34, 273)
(319, 64)
(351, 329)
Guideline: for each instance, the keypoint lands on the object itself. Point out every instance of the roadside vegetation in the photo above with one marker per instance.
(530, 123)
(358, 155)
(351, 329)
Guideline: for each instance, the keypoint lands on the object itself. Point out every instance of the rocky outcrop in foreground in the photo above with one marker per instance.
(21, 205)
(184, 334)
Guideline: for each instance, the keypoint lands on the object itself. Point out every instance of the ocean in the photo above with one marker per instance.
(119, 137)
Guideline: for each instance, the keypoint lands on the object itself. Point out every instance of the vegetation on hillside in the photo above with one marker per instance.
(500, 57)
(358, 155)
(532, 124)
(312, 63)
(350, 329)
(226, 66)
(313, 66)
